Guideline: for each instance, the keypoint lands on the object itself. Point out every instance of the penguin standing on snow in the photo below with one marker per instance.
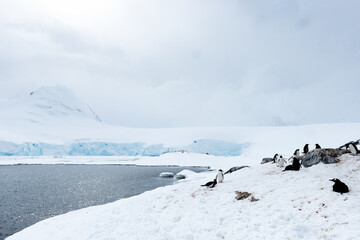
(220, 176)
(306, 148)
(275, 158)
(281, 161)
(339, 186)
(317, 146)
(353, 149)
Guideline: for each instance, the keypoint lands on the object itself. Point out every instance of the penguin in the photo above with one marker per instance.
(353, 149)
(281, 161)
(317, 146)
(296, 164)
(210, 184)
(346, 145)
(294, 167)
(220, 176)
(339, 186)
(288, 168)
(275, 158)
(296, 153)
(306, 148)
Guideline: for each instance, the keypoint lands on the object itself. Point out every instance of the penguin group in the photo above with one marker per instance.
(295, 166)
(219, 178)
(338, 186)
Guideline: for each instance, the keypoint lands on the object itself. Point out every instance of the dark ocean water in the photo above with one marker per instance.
(31, 193)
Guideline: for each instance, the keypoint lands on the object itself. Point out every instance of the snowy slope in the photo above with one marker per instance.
(43, 104)
(291, 205)
(44, 114)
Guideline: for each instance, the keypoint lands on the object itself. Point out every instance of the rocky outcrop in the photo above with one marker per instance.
(244, 195)
(324, 155)
(166, 175)
(180, 176)
(233, 169)
(266, 160)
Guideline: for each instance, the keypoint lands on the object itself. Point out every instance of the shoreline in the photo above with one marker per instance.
(39, 212)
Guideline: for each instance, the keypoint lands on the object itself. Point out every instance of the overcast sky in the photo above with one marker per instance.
(165, 63)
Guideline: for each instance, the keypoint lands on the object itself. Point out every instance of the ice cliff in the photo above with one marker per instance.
(211, 147)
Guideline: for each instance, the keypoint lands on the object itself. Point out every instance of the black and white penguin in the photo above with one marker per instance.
(317, 146)
(210, 184)
(220, 176)
(339, 186)
(295, 165)
(346, 145)
(353, 149)
(275, 158)
(281, 162)
(296, 153)
(306, 148)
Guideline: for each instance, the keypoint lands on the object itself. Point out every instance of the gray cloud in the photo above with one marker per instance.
(190, 63)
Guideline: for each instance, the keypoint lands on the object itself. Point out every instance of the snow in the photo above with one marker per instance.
(292, 205)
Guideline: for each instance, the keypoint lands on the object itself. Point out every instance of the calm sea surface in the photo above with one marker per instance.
(30, 193)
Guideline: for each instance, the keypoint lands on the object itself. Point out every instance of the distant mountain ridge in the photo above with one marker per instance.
(45, 105)
(60, 101)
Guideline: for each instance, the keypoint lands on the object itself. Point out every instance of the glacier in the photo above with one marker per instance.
(203, 146)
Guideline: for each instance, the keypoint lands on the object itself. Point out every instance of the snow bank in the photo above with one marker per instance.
(292, 205)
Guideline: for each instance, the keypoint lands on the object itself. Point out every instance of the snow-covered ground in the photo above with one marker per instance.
(291, 205)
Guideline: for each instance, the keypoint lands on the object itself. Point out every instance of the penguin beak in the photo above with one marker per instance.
(333, 180)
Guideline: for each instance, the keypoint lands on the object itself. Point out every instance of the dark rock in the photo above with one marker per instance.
(266, 160)
(233, 169)
(242, 195)
(324, 155)
(180, 176)
(252, 199)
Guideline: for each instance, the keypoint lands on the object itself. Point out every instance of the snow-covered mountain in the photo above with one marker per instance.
(52, 121)
(46, 104)
(48, 114)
